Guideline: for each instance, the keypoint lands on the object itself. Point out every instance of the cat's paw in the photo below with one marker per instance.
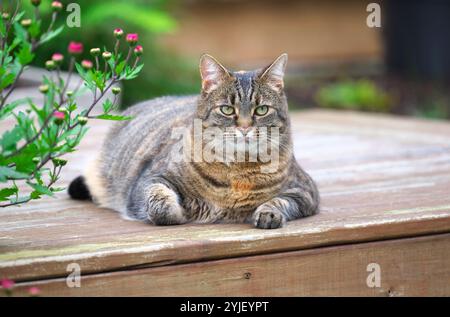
(163, 206)
(266, 217)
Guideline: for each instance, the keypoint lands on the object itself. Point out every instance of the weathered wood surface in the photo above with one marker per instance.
(380, 178)
(407, 267)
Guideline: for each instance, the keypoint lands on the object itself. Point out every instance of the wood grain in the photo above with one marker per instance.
(380, 178)
(408, 267)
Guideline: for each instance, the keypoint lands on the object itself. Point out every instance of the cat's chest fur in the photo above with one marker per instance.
(225, 189)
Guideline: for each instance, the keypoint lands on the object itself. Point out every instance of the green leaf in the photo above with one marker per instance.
(86, 75)
(14, 44)
(35, 194)
(51, 35)
(20, 33)
(19, 16)
(71, 132)
(57, 189)
(41, 113)
(80, 70)
(21, 199)
(97, 78)
(5, 193)
(72, 107)
(9, 139)
(120, 67)
(131, 74)
(7, 173)
(7, 80)
(26, 123)
(8, 108)
(35, 29)
(113, 117)
(40, 189)
(25, 55)
(23, 160)
(107, 106)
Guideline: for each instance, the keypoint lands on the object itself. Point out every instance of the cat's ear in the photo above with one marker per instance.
(273, 74)
(212, 72)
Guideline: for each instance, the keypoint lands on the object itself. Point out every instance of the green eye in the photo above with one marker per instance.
(261, 110)
(227, 110)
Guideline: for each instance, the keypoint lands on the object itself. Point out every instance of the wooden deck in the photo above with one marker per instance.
(385, 186)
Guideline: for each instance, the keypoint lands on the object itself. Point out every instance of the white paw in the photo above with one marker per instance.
(164, 208)
(268, 218)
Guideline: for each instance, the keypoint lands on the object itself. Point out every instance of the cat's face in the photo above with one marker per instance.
(245, 99)
(245, 103)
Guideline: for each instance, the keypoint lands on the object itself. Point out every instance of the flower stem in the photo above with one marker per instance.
(136, 62)
(36, 13)
(71, 65)
(116, 47)
(12, 88)
(130, 50)
(52, 22)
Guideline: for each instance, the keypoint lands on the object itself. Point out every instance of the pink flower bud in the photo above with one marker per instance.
(7, 283)
(118, 33)
(57, 6)
(132, 38)
(75, 48)
(59, 115)
(86, 64)
(34, 291)
(57, 58)
(138, 50)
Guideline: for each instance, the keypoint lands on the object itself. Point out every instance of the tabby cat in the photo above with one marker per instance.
(138, 174)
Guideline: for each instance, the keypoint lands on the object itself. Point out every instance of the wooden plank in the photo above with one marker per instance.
(380, 177)
(407, 267)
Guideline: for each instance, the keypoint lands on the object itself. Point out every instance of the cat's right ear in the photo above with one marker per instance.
(212, 72)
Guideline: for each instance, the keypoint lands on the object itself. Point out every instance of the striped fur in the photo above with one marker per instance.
(135, 172)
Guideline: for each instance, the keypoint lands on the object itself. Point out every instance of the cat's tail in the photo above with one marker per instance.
(79, 190)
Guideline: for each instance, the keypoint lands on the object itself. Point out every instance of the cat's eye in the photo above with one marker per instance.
(261, 110)
(227, 110)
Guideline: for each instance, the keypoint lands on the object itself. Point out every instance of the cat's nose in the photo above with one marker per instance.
(244, 130)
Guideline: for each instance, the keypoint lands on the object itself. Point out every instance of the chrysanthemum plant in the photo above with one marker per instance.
(39, 135)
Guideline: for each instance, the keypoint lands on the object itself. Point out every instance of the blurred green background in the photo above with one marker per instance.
(335, 59)
(164, 73)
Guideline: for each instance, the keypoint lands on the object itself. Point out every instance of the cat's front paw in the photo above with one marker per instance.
(266, 217)
(163, 206)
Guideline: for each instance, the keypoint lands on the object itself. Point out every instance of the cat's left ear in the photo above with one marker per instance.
(273, 74)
